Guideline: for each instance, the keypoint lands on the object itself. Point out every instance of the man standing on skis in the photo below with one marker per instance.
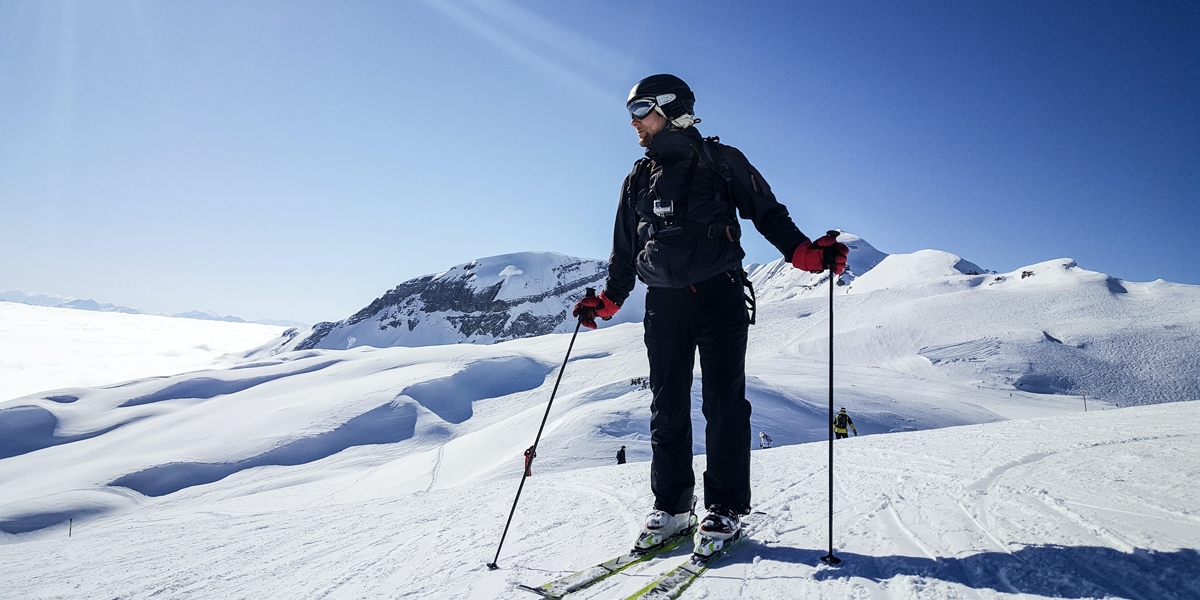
(677, 230)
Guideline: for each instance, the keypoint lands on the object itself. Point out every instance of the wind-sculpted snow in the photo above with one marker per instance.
(33, 522)
(209, 387)
(450, 398)
(1077, 506)
(387, 424)
(25, 429)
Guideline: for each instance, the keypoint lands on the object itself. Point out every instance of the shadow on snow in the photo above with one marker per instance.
(205, 388)
(1054, 571)
(25, 429)
(386, 424)
(450, 398)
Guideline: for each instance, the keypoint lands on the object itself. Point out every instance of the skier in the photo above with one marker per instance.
(840, 422)
(764, 440)
(677, 230)
(529, 456)
(621, 456)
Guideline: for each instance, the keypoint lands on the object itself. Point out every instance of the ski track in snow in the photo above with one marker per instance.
(918, 515)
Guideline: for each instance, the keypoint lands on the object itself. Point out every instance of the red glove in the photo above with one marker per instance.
(595, 306)
(815, 256)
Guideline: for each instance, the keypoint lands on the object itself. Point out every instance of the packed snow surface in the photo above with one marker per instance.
(389, 472)
(1093, 505)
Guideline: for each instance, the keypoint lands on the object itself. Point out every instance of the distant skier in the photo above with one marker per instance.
(840, 422)
(677, 231)
(764, 440)
(621, 456)
(529, 456)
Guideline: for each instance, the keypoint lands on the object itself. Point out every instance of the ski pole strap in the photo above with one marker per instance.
(751, 301)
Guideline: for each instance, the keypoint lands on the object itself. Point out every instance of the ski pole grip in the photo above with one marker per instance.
(831, 257)
(591, 293)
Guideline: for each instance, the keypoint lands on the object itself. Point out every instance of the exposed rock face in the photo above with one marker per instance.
(485, 301)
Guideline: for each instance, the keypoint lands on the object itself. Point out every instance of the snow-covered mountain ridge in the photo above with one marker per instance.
(526, 294)
(1047, 328)
(485, 301)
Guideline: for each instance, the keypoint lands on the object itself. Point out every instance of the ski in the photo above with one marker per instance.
(581, 579)
(673, 583)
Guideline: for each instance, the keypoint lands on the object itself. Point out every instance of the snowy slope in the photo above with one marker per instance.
(323, 465)
(1101, 504)
(920, 345)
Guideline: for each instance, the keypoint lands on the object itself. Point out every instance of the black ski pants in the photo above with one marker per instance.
(710, 315)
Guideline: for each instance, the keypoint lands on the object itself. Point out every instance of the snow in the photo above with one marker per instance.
(389, 472)
(44, 348)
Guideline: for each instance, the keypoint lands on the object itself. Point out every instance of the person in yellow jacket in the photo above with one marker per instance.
(841, 422)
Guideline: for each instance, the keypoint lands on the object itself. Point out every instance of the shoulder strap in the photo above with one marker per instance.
(634, 175)
(721, 165)
(685, 188)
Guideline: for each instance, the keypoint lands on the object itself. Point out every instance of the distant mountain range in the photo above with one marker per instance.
(1049, 328)
(57, 301)
(523, 295)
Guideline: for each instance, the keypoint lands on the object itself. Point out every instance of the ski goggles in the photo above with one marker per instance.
(641, 107)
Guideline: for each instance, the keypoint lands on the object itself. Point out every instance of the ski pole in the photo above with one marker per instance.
(533, 449)
(831, 264)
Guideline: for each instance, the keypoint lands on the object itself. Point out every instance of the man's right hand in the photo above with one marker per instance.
(594, 306)
(815, 256)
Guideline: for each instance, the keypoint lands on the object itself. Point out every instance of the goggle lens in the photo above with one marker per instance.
(638, 109)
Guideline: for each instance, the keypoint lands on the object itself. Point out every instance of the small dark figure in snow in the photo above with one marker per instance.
(840, 422)
(621, 456)
(764, 440)
(529, 456)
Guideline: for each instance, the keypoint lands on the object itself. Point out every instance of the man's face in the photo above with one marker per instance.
(648, 126)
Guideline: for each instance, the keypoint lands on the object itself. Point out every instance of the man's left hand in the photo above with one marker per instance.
(815, 257)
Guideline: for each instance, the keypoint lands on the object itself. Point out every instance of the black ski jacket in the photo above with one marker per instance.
(694, 234)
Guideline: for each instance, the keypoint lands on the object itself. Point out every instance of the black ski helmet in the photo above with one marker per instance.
(660, 86)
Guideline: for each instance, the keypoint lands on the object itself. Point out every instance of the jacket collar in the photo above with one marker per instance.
(673, 144)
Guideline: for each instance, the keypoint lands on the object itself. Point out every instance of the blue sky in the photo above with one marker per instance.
(295, 160)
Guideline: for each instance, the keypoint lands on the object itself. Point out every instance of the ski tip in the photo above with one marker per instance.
(537, 590)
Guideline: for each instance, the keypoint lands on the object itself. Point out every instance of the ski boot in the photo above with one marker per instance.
(720, 528)
(662, 527)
